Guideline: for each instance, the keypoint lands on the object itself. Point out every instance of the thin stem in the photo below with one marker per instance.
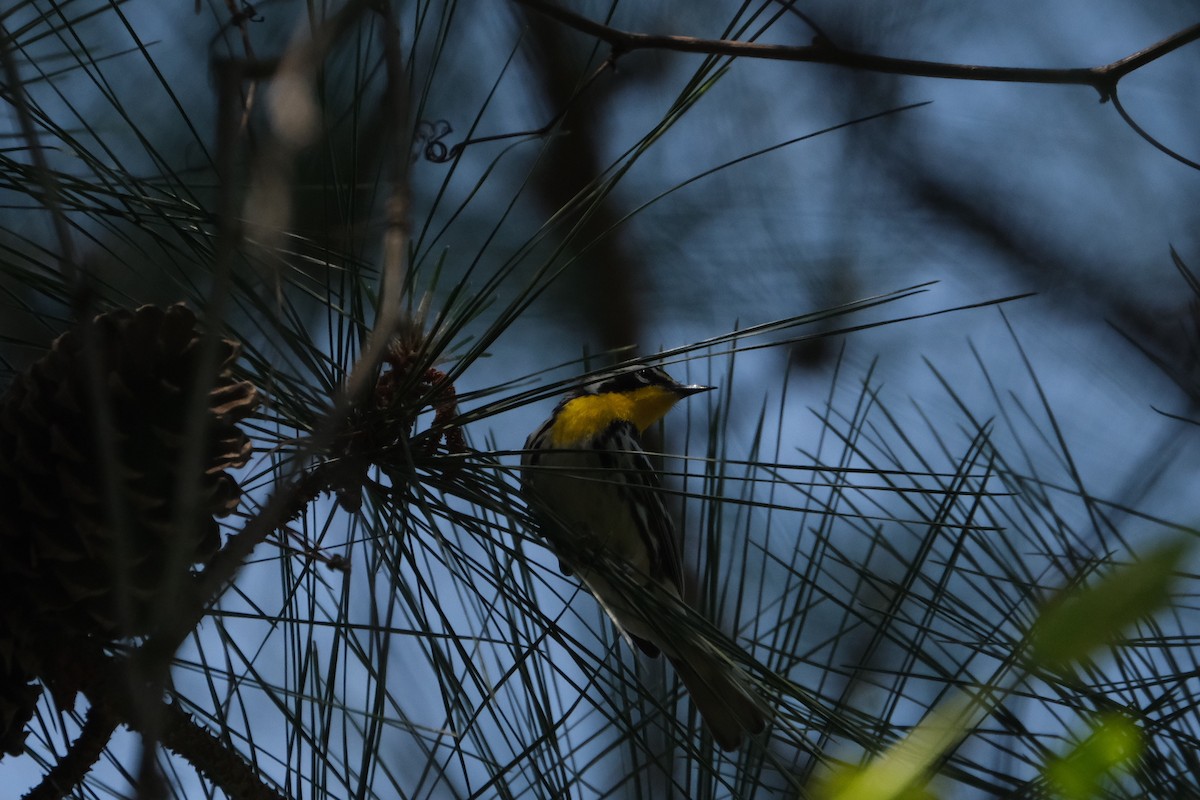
(821, 51)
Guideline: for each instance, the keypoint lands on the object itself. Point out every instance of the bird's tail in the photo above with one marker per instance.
(723, 696)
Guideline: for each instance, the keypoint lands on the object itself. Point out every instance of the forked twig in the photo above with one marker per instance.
(822, 51)
(1102, 78)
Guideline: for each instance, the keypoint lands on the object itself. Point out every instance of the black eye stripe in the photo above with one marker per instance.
(636, 378)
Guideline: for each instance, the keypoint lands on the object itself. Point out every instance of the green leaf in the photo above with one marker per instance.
(869, 783)
(903, 771)
(1080, 620)
(1115, 743)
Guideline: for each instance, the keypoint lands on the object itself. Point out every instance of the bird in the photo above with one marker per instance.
(595, 497)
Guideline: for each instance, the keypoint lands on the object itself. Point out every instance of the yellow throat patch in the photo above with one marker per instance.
(583, 418)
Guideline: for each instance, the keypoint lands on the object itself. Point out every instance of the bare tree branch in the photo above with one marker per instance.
(821, 51)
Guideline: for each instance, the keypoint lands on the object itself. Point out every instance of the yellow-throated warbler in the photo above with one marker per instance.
(596, 497)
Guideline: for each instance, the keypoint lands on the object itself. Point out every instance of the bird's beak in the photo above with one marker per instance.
(695, 388)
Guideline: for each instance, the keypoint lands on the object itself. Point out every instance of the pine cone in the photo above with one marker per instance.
(89, 535)
(18, 695)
